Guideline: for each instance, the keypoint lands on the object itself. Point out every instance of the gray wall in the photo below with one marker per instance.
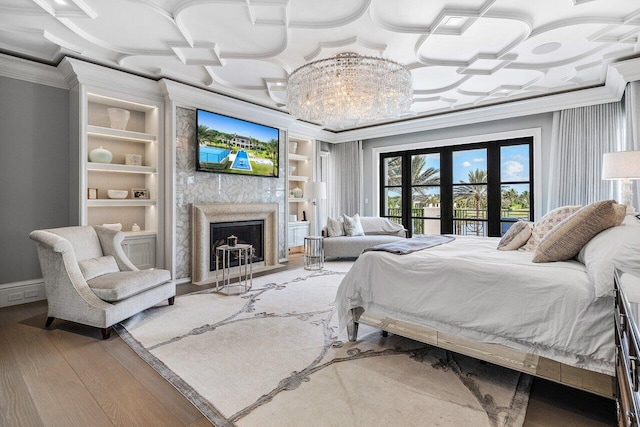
(543, 121)
(34, 171)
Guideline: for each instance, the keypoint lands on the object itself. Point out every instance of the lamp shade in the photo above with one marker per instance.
(621, 165)
(315, 190)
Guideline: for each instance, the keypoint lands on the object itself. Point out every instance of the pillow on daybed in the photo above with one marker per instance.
(546, 223)
(352, 225)
(95, 267)
(615, 247)
(335, 227)
(372, 225)
(517, 235)
(566, 239)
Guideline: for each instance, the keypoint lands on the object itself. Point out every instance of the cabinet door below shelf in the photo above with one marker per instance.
(297, 232)
(141, 251)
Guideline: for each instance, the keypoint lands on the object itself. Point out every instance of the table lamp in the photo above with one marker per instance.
(623, 166)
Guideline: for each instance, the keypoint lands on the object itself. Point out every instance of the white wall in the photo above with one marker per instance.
(460, 133)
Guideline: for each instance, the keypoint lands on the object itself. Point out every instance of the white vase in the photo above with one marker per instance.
(100, 155)
(118, 118)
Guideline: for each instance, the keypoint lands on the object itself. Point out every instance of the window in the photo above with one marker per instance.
(476, 189)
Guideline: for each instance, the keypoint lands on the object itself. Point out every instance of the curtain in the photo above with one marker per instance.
(632, 134)
(581, 137)
(345, 185)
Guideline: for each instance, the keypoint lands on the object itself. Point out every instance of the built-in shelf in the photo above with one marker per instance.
(297, 200)
(95, 203)
(120, 134)
(298, 178)
(113, 167)
(294, 156)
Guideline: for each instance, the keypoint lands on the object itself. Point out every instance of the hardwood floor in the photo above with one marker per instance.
(69, 376)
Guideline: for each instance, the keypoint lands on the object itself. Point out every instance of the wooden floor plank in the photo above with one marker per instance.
(16, 405)
(120, 395)
(201, 422)
(58, 394)
(170, 398)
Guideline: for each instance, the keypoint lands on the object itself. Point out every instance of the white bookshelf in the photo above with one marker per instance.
(303, 161)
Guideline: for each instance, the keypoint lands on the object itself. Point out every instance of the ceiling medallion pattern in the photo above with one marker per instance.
(349, 89)
(477, 53)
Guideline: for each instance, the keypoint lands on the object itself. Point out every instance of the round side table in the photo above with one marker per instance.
(313, 253)
(244, 255)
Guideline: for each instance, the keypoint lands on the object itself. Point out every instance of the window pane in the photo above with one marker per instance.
(425, 201)
(470, 166)
(425, 226)
(392, 171)
(515, 203)
(470, 201)
(514, 163)
(425, 169)
(393, 202)
(466, 227)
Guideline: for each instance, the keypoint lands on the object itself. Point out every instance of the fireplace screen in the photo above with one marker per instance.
(247, 232)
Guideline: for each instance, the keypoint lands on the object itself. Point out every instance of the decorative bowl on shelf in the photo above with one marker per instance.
(117, 194)
(297, 192)
(292, 169)
(118, 118)
(100, 155)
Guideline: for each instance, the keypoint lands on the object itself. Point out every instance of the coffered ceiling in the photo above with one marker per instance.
(462, 53)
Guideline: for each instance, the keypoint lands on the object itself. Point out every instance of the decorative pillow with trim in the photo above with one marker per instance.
(517, 235)
(352, 225)
(546, 223)
(95, 267)
(335, 227)
(566, 239)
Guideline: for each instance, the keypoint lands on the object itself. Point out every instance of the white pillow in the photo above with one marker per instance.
(335, 227)
(546, 224)
(615, 247)
(352, 225)
(94, 267)
(517, 235)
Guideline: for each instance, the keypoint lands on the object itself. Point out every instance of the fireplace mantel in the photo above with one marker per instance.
(204, 214)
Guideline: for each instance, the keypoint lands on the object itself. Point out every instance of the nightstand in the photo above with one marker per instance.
(627, 337)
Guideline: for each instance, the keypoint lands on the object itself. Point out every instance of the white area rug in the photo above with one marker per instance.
(274, 357)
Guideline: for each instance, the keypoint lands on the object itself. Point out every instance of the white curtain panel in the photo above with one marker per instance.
(344, 194)
(632, 134)
(580, 139)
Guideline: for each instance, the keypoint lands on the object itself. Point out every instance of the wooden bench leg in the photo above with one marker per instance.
(172, 300)
(49, 322)
(106, 332)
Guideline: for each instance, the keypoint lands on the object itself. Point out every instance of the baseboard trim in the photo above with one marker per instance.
(22, 292)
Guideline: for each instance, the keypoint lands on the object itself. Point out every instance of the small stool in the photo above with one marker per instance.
(313, 253)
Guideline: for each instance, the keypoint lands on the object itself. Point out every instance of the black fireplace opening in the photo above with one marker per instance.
(247, 232)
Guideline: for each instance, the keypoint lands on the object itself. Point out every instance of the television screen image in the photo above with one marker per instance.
(229, 145)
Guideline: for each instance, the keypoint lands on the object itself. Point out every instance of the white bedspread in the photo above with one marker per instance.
(470, 289)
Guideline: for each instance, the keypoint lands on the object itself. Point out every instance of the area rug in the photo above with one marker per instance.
(274, 357)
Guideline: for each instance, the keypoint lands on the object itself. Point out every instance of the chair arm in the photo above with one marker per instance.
(52, 241)
(111, 242)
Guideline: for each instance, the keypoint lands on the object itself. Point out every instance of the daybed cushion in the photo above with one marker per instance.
(352, 225)
(118, 286)
(95, 267)
(335, 227)
(352, 247)
(566, 239)
(373, 226)
(616, 247)
(517, 235)
(546, 223)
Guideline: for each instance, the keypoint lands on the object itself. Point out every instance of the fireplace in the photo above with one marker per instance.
(247, 232)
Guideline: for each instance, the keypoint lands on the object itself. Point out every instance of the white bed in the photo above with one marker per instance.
(470, 290)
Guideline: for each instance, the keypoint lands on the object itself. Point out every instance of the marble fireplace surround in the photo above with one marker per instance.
(202, 215)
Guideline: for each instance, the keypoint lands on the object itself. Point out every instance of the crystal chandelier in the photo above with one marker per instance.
(349, 89)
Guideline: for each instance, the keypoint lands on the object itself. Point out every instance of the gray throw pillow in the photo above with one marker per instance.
(517, 235)
(352, 225)
(95, 267)
(335, 227)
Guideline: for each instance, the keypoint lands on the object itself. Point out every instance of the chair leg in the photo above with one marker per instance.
(385, 334)
(106, 332)
(49, 322)
(172, 300)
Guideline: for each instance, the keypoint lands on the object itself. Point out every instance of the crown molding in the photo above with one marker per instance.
(31, 71)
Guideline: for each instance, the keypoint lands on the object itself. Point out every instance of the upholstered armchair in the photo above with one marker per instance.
(88, 278)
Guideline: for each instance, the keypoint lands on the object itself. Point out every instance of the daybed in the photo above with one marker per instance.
(376, 231)
(553, 320)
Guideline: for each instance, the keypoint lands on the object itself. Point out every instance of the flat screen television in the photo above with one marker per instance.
(229, 145)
